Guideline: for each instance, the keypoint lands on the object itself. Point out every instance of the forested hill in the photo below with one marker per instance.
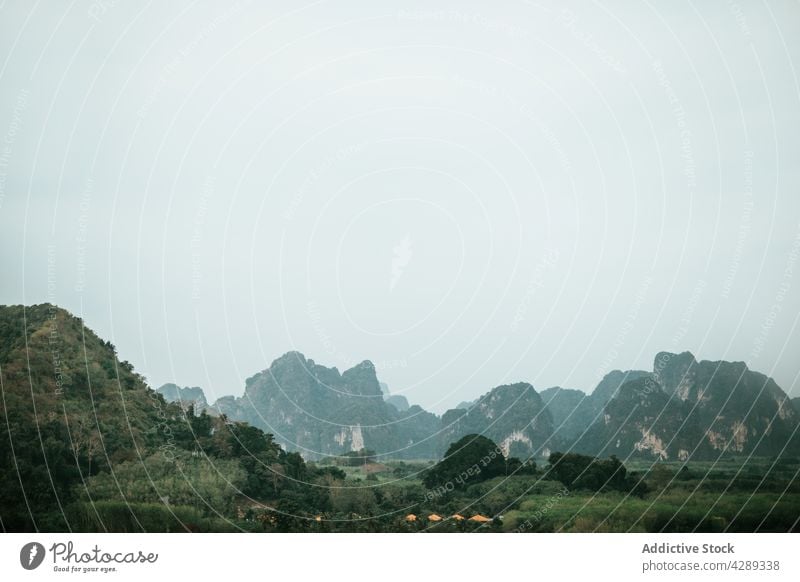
(86, 445)
(84, 442)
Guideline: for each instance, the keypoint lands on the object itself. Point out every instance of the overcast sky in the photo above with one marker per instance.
(467, 198)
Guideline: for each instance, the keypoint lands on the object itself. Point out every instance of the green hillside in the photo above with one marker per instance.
(86, 445)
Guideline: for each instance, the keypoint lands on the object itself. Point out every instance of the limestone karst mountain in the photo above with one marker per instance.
(683, 409)
(573, 411)
(513, 416)
(319, 411)
(700, 410)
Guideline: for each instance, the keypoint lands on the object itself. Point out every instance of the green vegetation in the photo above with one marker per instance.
(472, 458)
(352, 458)
(85, 445)
(583, 472)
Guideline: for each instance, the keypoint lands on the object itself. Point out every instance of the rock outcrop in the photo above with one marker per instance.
(513, 416)
(699, 410)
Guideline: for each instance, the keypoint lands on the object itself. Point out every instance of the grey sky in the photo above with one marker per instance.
(468, 198)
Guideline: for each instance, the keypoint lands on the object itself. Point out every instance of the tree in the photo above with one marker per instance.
(471, 459)
(514, 466)
(348, 500)
(584, 472)
(356, 458)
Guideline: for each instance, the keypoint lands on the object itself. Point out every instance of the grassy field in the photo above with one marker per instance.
(734, 494)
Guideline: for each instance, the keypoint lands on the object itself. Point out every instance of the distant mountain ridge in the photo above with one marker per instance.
(683, 409)
(319, 411)
(86, 445)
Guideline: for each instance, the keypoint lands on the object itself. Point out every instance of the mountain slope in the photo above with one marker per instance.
(70, 409)
(571, 410)
(513, 416)
(85, 445)
(699, 410)
(574, 411)
(320, 412)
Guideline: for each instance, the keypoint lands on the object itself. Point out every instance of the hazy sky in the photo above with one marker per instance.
(468, 198)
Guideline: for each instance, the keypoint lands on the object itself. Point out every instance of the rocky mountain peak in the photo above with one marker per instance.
(362, 380)
(513, 415)
(675, 372)
(611, 382)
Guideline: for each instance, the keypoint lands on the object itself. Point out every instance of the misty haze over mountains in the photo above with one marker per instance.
(411, 184)
(419, 266)
(682, 410)
(87, 446)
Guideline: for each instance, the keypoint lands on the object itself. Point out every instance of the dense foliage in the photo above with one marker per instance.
(471, 459)
(584, 472)
(85, 445)
(82, 432)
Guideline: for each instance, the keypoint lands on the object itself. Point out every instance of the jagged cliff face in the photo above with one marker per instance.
(571, 410)
(311, 408)
(682, 409)
(574, 411)
(319, 412)
(611, 383)
(676, 373)
(513, 416)
(637, 422)
(740, 411)
(699, 410)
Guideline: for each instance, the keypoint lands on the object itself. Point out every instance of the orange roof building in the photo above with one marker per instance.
(434, 517)
(458, 517)
(479, 518)
(411, 517)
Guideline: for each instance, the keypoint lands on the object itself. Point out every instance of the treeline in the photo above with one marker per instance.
(85, 445)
